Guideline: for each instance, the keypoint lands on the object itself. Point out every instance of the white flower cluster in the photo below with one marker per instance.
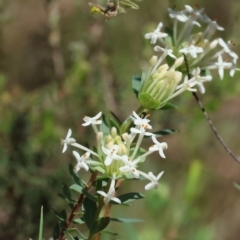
(117, 156)
(202, 51)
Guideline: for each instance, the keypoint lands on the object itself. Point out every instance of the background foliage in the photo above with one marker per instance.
(59, 63)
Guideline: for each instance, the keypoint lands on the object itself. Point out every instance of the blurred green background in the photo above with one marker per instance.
(59, 63)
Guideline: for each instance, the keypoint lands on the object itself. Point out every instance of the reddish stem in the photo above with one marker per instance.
(77, 206)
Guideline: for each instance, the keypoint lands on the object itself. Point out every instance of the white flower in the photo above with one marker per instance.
(67, 140)
(111, 192)
(130, 166)
(179, 15)
(221, 65)
(138, 121)
(154, 180)
(94, 120)
(156, 34)
(158, 147)
(81, 161)
(200, 79)
(141, 131)
(192, 50)
(109, 196)
(168, 51)
(111, 154)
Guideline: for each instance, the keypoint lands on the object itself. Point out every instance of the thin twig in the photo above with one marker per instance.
(228, 150)
(77, 206)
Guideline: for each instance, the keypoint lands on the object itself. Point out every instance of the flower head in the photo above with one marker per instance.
(156, 34)
(81, 161)
(154, 180)
(94, 120)
(158, 147)
(68, 140)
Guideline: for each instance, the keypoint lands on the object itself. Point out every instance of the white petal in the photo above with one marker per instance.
(64, 147)
(108, 161)
(69, 133)
(102, 193)
(149, 186)
(77, 156)
(116, 200)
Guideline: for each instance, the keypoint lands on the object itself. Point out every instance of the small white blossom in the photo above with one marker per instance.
(168, 51)
(179, 15)
(154, 180)
(81, 161)
(109, 196)
(111, 193)
(156, 34)
(94, 120)
(130, 166)
(142, 131)
(200, 79)
(158, 147)
(138, 121)
(192, 50)
(221, 65)
(111, 154)
(67, 141)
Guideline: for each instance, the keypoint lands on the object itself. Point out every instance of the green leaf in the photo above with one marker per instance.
(119, 122)
(69, 235)
(70, 201)
(148, 102)
(90, 209)
(104, 126)
(164, 132)
(113, 123)
(76, 179)
(62, 216)
(129, 4)
(237, 186)
(110, 232)
(99, 225)
(98, 168)
(66, 190)
(168, 106)
(136, 84)
(80, 234)
(78, 221)
(89, 196)
(41, 226)
(129, 197)
(76, 188)
(127, 220)
(56, 231)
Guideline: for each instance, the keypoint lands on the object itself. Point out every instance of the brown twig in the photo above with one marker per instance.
(77, 206)
(228, 150)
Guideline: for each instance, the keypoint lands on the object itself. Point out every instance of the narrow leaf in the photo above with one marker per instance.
(99, 225)
(66, 190)
(90, 208)
(110, 232)
(76, 179)
(89, 196)
(78, 221)
(237, 186)
(127, 220)
(164, 132)
(128, 197)
(56, 231)
(76, 188)
(69, 235)
(41, 225)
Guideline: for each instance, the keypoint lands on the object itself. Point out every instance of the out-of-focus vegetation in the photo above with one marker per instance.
(58, 63)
